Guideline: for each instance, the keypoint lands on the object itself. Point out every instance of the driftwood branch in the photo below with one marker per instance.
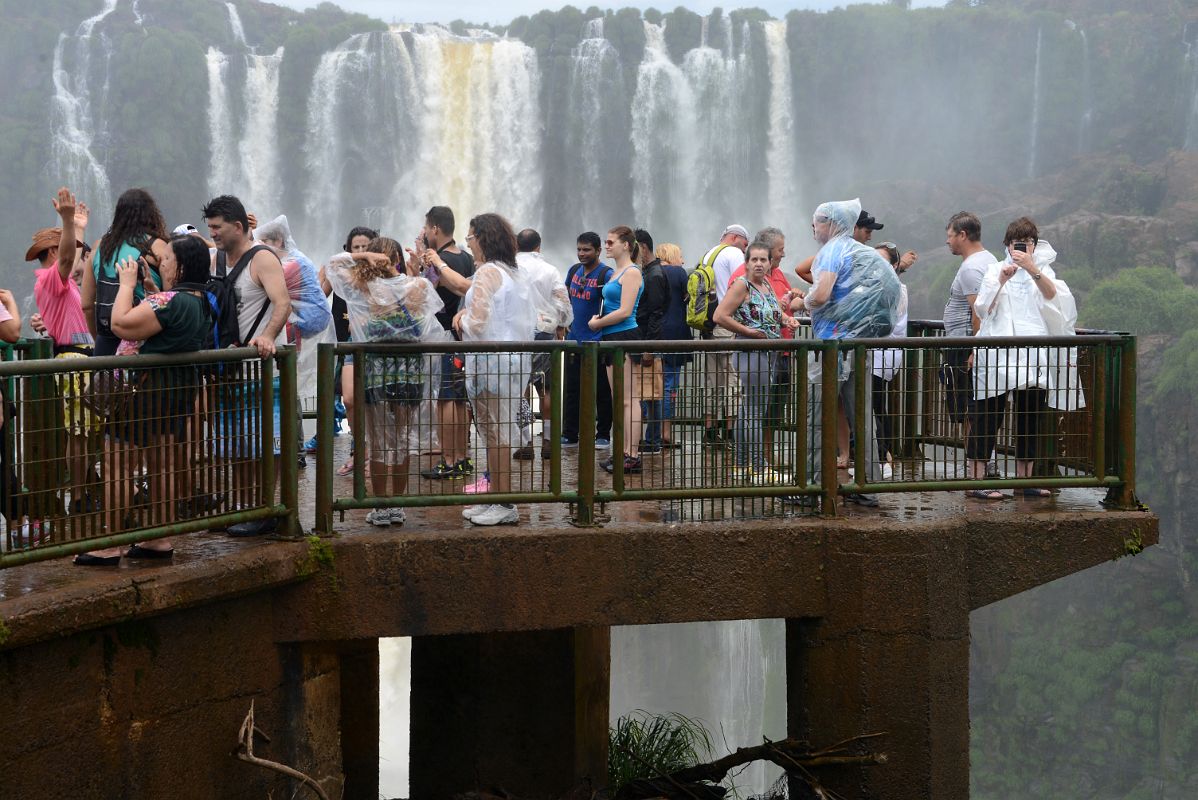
(794, 755)
(245, 752)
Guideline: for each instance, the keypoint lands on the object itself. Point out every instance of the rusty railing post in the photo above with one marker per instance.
(829, 406)
(326, 367)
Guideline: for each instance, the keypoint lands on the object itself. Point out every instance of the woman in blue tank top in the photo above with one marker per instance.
(616, 322)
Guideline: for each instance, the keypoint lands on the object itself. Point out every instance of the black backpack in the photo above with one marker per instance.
(222, 299)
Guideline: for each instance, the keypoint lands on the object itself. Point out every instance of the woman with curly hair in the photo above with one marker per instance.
(138, 232)
(497, 308)
(386, 305)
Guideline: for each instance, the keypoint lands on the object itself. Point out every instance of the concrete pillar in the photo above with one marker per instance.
(312, 688)
(891, 656)
(527, 712)
(360, 718)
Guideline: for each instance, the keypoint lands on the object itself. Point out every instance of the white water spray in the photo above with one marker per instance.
(75, 122)
(1033, 147)
(780, 164)
(235, 24)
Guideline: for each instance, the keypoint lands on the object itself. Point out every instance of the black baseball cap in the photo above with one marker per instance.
(865, 220)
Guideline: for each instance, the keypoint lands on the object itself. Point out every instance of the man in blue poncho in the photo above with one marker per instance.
(854, 295)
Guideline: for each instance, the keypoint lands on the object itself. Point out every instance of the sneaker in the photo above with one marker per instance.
(382, 517)
(887, 472)
(463, 467)
(480, 486)
(867, 500)
(568, 442)
(496, 515)
(651, 449)
(742, 476)
(608, 464)
(439, 472)
(632, 466)
(310, 446)
(469, 511)
(805, 501)
(768, 476)
(602, 444)
(525, 453)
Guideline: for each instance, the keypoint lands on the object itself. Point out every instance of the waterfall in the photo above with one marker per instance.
(462, 129)
(1191, 62)
(1032, 161)
(243, 126)
(1085, 129)
(592, 127)
(730, 676)
(593, 29)
(235, 24)
(75, 124)
(780, 164)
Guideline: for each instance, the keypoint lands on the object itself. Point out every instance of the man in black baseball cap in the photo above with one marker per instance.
(866, 225)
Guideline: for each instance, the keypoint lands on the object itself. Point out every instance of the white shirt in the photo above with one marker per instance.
(547, 288)
(725, 264)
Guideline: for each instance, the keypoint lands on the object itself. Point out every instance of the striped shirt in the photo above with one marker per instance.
(958, 316)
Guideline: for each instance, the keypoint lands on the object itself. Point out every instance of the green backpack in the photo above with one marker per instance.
(700, 294)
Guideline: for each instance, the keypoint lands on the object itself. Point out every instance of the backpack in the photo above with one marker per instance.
(108, 287)
(701, 295)
(222, 299)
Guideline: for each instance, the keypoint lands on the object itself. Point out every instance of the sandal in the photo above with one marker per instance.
(347, 468)
(1036, 493)
(986, 494)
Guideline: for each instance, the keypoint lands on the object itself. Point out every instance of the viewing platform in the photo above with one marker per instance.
(143, 672)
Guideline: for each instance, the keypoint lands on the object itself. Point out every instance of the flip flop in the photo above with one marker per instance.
(346, 469)
(88, 560)
(986, 494)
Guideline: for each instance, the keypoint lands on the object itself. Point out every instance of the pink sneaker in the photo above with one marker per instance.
(480, 486)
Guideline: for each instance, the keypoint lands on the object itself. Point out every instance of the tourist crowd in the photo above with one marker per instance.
(142, 289)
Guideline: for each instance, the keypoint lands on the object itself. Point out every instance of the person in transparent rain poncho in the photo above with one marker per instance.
(310, 321)
(1021, 296)
(855, 295)
(386, 306)
(498, 308)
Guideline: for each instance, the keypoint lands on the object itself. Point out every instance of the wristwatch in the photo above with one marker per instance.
(1038, 276)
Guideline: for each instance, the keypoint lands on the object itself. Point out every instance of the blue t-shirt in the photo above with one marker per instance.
(585, 296)
(612, 292)
(835, 257)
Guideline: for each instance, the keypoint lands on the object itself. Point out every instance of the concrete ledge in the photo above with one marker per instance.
(397, 583)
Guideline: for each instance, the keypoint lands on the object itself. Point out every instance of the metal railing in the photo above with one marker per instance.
(111, 451)
(786, 397)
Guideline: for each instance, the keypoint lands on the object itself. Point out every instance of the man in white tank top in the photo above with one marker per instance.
(260, 285)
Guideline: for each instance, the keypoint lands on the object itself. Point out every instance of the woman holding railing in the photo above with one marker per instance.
(386, 305)
(751, 310)
(148, 408)
(1020, 296)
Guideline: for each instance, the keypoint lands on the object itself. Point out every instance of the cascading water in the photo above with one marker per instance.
(592, 126)
(244, 136)
(1190, 141)
(780, 164)
(235, 25)
(76, 124)
(1034, 145)
(686, 147)
(1085, 129)
(462, 129)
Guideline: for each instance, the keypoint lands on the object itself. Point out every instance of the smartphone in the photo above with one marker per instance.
(1020, 246)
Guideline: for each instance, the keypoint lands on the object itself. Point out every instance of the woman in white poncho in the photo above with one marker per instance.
(497, 308)
(385, 305)
(1021, 296)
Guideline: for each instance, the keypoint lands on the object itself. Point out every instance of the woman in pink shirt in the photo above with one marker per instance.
(56, 292)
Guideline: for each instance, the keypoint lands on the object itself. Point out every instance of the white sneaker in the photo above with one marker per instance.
(469, 511)
(383, 517)
(496, 515)
(887, 472)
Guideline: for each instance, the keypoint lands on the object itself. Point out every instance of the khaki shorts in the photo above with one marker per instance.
(77, 419)
(648, 381)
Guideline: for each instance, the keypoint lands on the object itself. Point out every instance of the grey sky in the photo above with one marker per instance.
(492, 12)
